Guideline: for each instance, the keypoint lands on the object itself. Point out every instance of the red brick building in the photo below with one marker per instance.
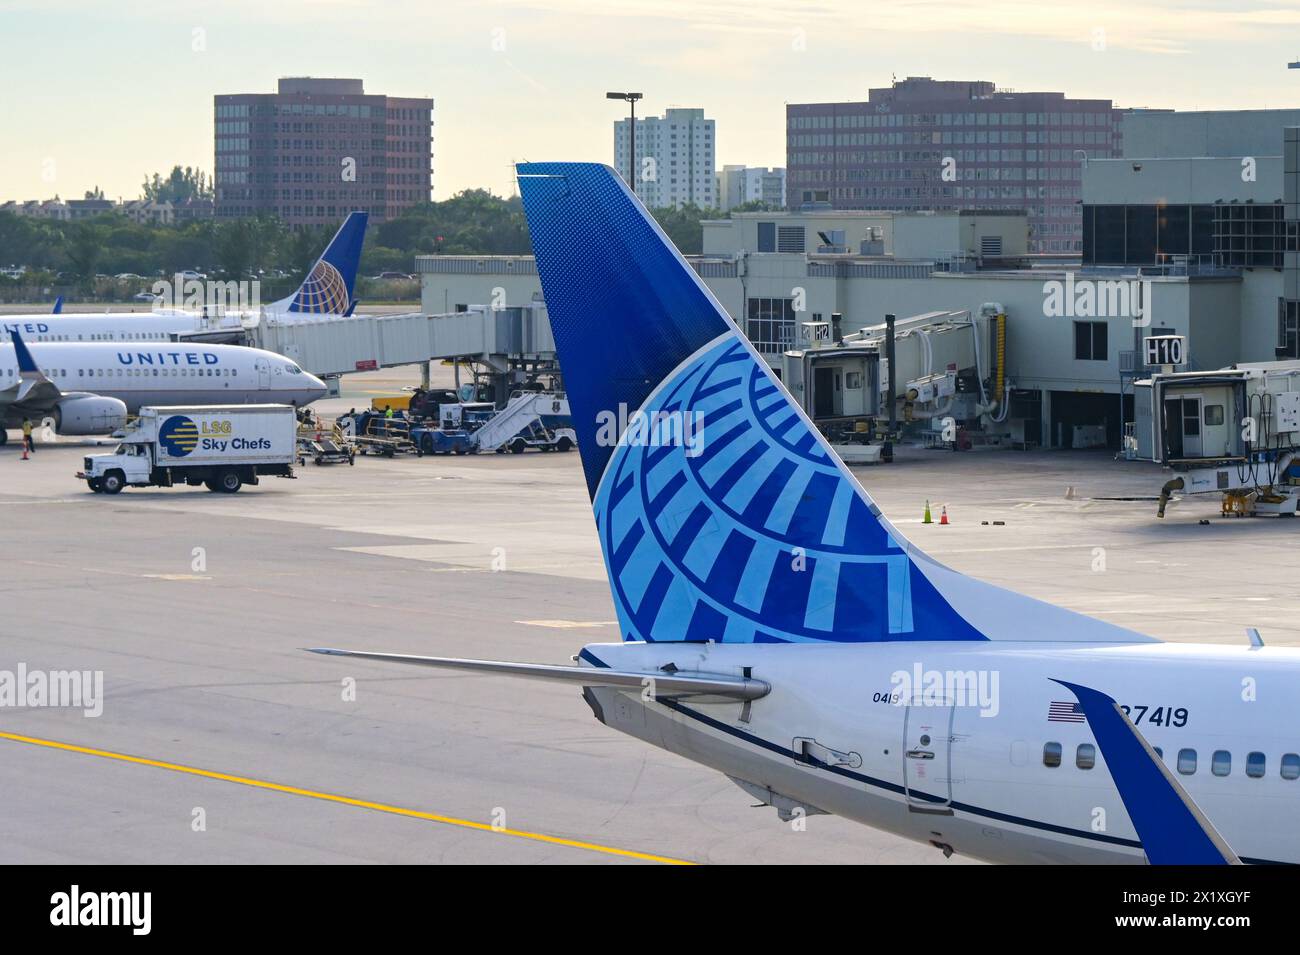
(320, 148)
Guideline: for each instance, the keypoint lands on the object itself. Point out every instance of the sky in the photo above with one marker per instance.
(95, 94)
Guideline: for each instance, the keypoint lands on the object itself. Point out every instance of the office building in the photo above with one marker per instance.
(738, 185)
(318, 149)
(931, 144)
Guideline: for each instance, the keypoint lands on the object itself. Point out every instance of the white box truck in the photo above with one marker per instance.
(222, 447)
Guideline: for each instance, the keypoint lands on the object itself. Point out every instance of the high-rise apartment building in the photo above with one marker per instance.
(318, 149)
(674, 163)
(931, 144)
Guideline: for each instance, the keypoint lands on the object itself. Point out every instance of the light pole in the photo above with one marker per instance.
(631, 99)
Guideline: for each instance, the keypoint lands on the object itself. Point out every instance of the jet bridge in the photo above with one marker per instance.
(510, 345)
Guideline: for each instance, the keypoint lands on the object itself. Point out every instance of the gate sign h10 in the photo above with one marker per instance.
(1165, 349)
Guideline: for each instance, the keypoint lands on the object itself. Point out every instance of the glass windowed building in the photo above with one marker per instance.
(931, 144)
(318, 149)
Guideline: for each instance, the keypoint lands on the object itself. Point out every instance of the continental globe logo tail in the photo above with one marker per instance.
(178, 436)
(323, 292)
(328, 287)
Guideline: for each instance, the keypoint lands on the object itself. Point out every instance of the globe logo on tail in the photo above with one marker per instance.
(179, 436)
(323, 292)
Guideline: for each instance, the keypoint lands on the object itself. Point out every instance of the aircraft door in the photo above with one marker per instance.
(263, 374)
(927, 758)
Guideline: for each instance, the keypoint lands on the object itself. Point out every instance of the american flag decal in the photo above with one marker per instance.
(1065, 713)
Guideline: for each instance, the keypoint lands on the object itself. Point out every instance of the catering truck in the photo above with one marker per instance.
(222, 447)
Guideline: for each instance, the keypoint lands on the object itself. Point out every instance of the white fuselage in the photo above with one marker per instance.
(1222, 717)
(167, 373)
(131, 327)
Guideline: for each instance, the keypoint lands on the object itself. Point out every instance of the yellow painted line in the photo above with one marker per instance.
(342, 800)
(569, 624)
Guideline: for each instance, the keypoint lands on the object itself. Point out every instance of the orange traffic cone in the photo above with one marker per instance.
(943, 516)
(927, 519)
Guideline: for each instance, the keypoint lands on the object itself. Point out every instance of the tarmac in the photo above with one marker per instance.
(221, 741)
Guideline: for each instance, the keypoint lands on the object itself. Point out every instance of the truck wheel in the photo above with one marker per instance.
(518, 446)
(564, 444)
(113, 482)
(95, 485)
(228, 482)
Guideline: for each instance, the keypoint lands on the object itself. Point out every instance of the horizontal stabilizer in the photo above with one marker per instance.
(1171, 826)
(663, 685)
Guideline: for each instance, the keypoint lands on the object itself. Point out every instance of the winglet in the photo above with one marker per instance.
(26, 363)
(1171, 826)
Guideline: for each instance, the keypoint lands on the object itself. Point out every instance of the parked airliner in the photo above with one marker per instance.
(90, 387)
(326, 291)
(779, 629)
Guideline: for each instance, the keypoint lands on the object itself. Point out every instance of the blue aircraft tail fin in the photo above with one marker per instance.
(723, 513)
(58, 306)
(328, 287)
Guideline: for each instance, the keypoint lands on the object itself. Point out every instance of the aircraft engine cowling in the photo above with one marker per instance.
(88, 414)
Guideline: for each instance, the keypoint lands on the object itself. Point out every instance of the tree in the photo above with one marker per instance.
(684, 227)
(95, 193)
(83, 245)
(179, 186)
(472, 222)
(233, 247)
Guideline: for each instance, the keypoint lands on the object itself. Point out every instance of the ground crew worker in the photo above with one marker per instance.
(27, 436)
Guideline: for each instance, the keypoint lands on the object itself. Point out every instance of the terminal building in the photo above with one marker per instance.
(1202, 246)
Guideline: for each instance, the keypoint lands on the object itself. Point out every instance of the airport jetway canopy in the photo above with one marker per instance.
(329, 347)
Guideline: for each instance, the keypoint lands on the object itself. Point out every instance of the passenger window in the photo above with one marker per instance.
(1290, 766)
(1255, 765)
(1085, 757)
(1051, 754)
(1187, 761)
(1159, 752)
(1221, 763)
